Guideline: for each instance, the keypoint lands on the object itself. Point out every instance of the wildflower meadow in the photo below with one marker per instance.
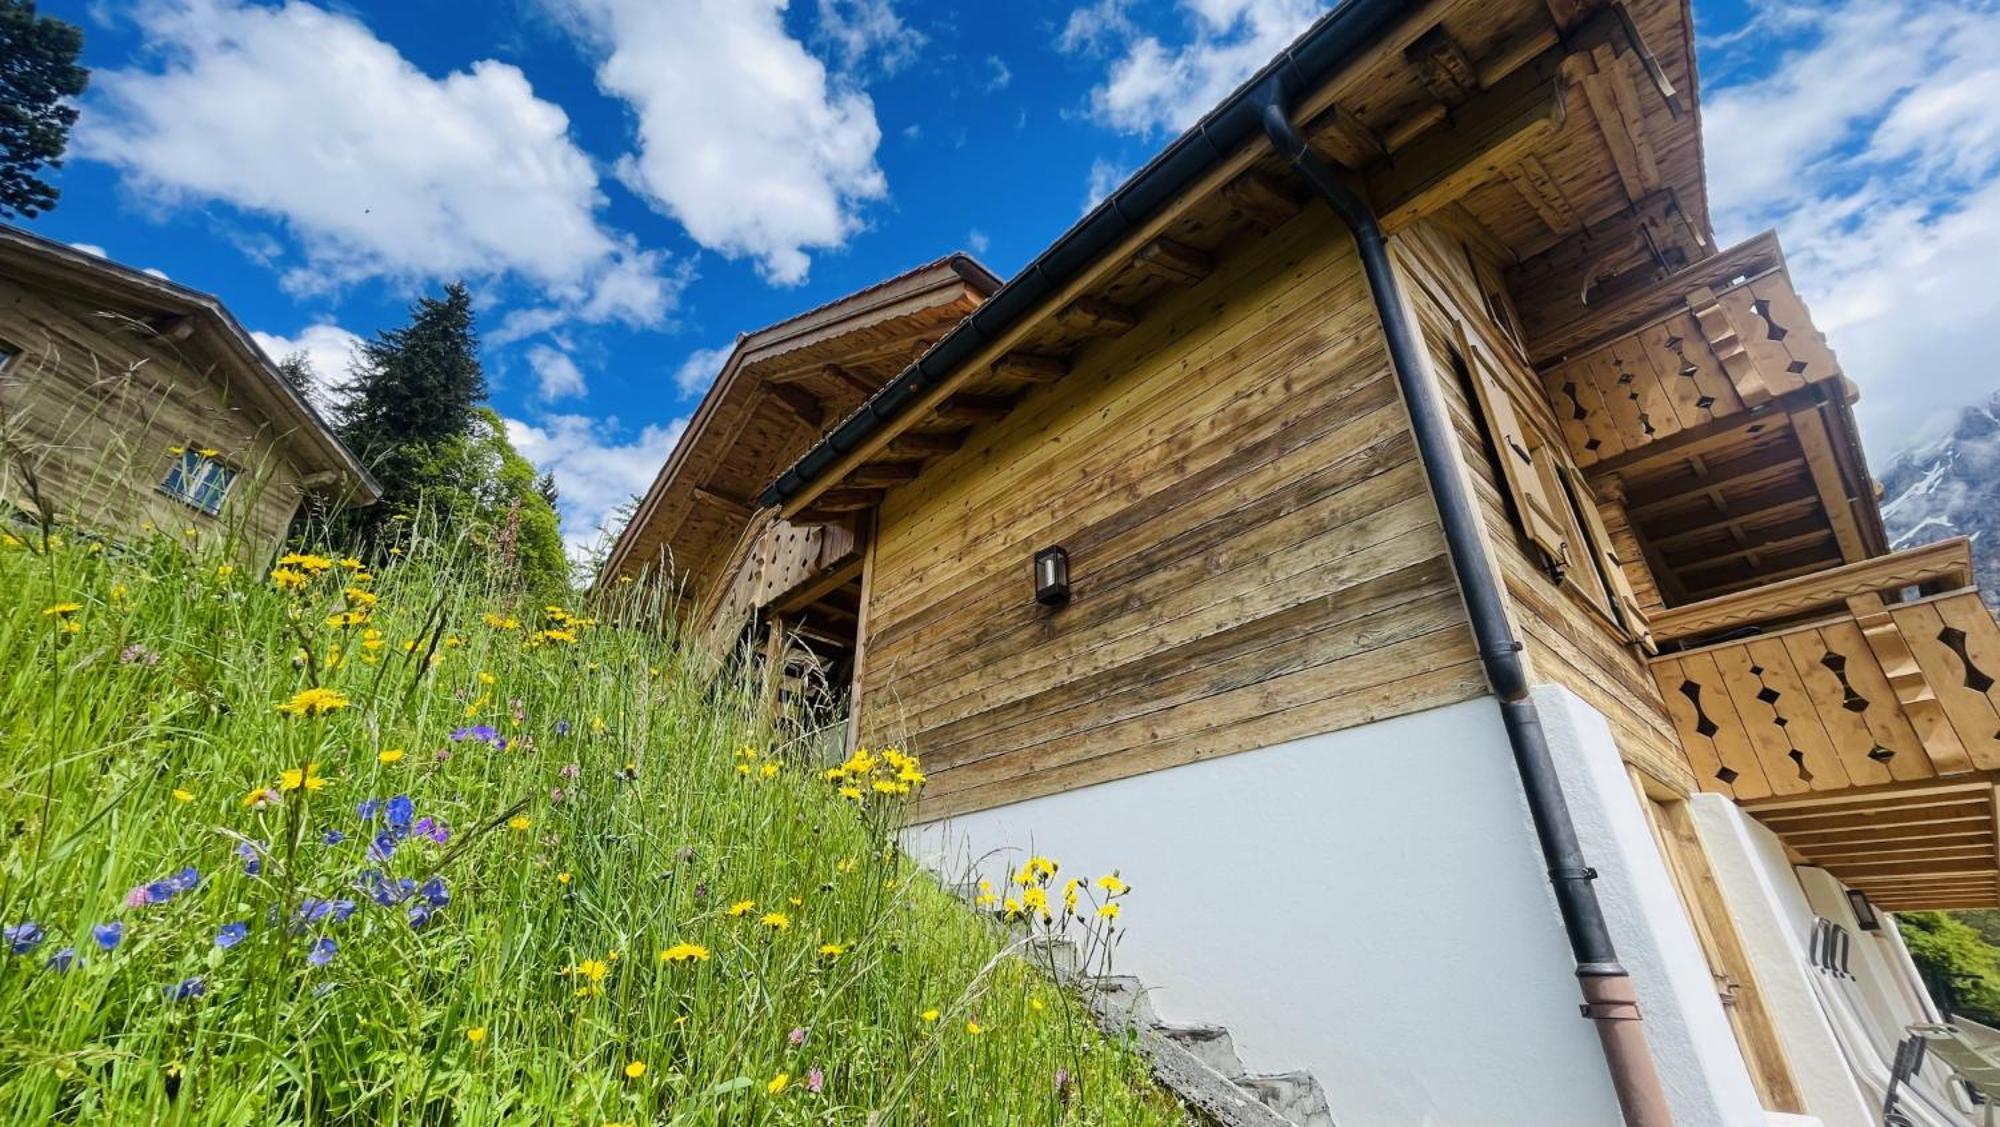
(334, 841)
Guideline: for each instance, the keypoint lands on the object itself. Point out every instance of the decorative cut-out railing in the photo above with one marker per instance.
(1869, 675)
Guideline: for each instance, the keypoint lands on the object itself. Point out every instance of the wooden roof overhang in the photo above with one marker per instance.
(1710, 405)
(208, 335)
(1526, 125)
(777, 390)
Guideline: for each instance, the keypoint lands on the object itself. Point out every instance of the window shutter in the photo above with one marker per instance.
(1626, 602)
(1525, 467)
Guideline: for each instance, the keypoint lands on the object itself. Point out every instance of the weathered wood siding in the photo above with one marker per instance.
(1253, 554)
(93, 404)
(1568, 641)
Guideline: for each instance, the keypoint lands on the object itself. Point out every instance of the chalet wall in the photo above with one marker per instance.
(92, 405)
(1569, 641)
(1253, 555)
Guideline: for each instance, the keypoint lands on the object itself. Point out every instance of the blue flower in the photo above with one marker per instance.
(484, 733)
(368, 809)
(383, 847)
(63, 959)
(187, 989)
(322, 951)
(22, 938)
(384, 892)
(332, 837)
(433, 829)
(562, 727)
(109, 935)
(313, 911)
(420, 915)
(435, 892)
(400, 811)
(172, 885)
(229, 935)
(253, 863)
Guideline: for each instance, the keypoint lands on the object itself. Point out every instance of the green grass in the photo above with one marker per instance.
(614, 824)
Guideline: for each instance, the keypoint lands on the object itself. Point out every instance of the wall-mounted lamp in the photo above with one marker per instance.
(1864, 912)
(1052, 577)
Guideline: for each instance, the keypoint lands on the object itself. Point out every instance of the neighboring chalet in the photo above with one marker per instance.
(1393, 534)
(131, 403)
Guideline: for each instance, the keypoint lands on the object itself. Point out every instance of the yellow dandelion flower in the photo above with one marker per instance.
(562, 878)
(288, 579)
(476, 1034)
(635, 1069)
(767, 771)
(974, 1028)
(519, 823)
(314, 702)
(1035, 1004)
(306, 563)
(1112, 885)
(389, 755)
(357, 597)
(742, 908)
(181, 795)
(224, 571)
(208, 452)
(60, 610)
(1109, 911)
(684, 953)
(301, 778)
(350, 563)
(778, 1084)
(833, 950)
(486, 678)
(592, 969)
(853, 794)
(776, 921)
(930, 1015)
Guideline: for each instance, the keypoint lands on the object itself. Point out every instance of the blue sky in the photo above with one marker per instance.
(628, 184)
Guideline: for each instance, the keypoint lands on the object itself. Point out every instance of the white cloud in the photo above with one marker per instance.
(1152, 85)
(596, 470)
(556, 375)
(700, 369)
(998, 74)
(742, 135)
(91, 249)
(977, 242)
(861, 29)
(1105, 176)
(377, 168)
(330, 350)
(1873, 148)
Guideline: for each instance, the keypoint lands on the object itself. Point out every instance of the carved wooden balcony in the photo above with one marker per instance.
(1857, 713)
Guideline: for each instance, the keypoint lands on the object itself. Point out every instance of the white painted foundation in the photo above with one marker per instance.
(1367, 904)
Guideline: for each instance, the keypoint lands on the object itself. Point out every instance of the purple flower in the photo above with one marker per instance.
(136, 654)
(313, 910)
(63, 959)
(556, 795)
(332, 837)
(399, 812)
(484, 733)
(187, 989)
(22, 938)
(384, 892)
(252, 862)
(108, 935)
(815, 1080)
(797, 1036)
(138, 897)
(570, 771)
(368, 809)
(420, 915)
(229, 935)
(433, 829)
(322, 951)
(435, 892)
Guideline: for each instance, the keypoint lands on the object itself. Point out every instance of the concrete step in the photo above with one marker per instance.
(1295, 1096)
(1210, 1044)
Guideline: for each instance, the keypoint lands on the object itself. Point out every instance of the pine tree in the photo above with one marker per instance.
(546, 486)
(297, 371)
(38, 77)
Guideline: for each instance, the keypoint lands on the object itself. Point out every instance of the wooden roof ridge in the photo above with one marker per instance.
(827, 320)
(107, 277)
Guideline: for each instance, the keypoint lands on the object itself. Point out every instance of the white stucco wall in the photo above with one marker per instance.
(1368, 904)
(1700, 1063)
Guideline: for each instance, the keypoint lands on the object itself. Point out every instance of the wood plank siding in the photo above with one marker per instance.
(1253, 555)
(92, 405)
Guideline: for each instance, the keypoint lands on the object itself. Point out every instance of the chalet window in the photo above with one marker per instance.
(198, 479)
(8, 354)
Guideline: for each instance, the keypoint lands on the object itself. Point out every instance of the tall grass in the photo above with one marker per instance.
(550, 803)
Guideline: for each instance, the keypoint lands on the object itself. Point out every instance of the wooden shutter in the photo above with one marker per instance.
(1524, 465)
(1625, 602)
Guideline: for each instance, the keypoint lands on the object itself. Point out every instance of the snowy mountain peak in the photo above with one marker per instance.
(1948, 487)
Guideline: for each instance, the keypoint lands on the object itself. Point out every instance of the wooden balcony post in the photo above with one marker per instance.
(1906, 678)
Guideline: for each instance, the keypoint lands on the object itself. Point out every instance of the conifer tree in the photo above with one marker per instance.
(410, 389)
(38, 79)
(296, 369)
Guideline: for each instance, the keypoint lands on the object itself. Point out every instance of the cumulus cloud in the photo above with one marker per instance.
(743, 137)
(91, 249)
(1873, 147)
(861, 30)
(330, 350)
(378, 169)
(596, 465)
(556, 375)
(700, 369)
(1155, 85)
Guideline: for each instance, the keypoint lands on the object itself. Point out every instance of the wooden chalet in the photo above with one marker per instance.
(1192, 395)
(130, 402)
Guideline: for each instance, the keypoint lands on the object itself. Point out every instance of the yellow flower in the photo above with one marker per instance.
(306, 563)
(685, 953)
(562, 878)
(558, 635)
(1036, 870)
(597, 724)
(1035, 1004)
(359, 598)
(974, 1028)
(742, 907)
(260, 798)
(60, 609)
(288, 579)
(486, 678)
(350, 563)
(743, 769)
(832, 950)
(778, 1084)
(1110, 911)
(177, 451)
(208, 451)
(852, 793)
(519, 823)
(593, 969)
(1112, 885)
(476, 1034)
(776, 921)
(347, 618)
(181, 795)
(295, 778)
(499, 622)
(635, 1069)
(768, 771)
(389, 755)
(224, 571)
(985, 899)
(930, 1015)
(314, 702)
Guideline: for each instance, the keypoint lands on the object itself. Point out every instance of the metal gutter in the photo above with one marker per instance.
(1329, 44)
(1609, 1000)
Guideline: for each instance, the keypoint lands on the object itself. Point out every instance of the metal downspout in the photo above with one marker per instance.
(1609, 1000)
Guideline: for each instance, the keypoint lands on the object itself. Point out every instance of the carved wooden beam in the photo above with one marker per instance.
(1263, 200)
(1176, 262)
(1098, 317)
(799, 402)
(1913, 690)
(716, 498)
(1443, 66)
(1614, 102)
(1810, 427)
(1481, 138)
(1030, 367)
(973, 408)
(841, 376)
(884, 474)
(924, 444)
(846, 500)
(1728, 347)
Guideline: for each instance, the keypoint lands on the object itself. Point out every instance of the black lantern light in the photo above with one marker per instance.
(1052, 577)
(1864, 912)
